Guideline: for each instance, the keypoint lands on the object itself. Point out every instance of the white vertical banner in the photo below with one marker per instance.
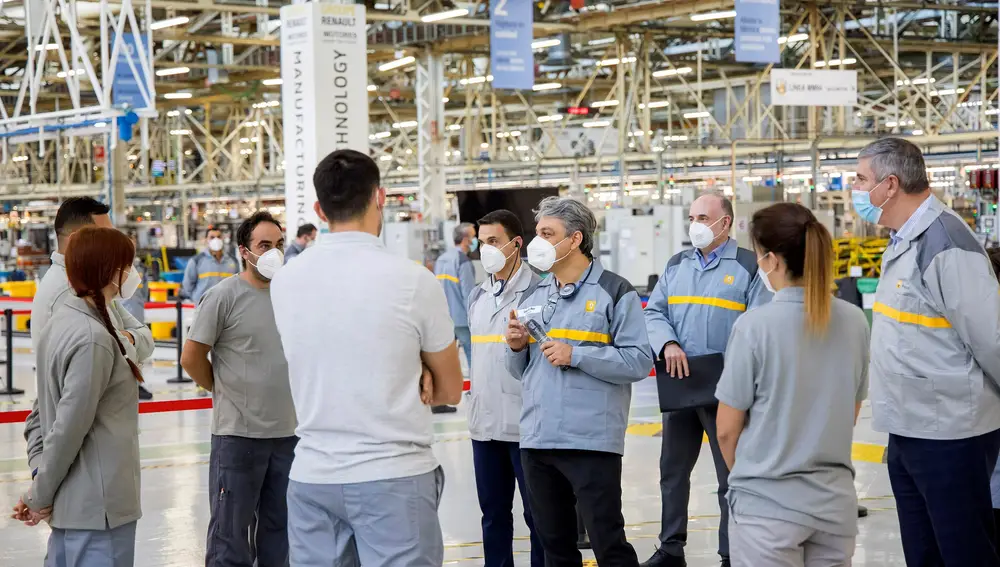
(324, 94)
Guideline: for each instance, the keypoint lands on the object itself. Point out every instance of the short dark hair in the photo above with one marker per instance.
(305, 229)
(245, 231)
(508, 220)
(78, 211)
(345, 182)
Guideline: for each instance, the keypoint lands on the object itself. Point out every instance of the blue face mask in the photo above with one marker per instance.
(474, 245)
(864, 207)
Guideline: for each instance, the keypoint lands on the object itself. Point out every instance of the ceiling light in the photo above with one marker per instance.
(515, 133)
(454, 127)
(601, 41)
(523, 148)
(920, 81)
(476, 80)
(546, 86)
(446, 15)
(675, 138)
(252, 124)
(19, 158)
(179, 132)
(172, 71)
(47, 47)
(397, 63)
(657, 148)
(701, 114)
(244, 140)
(550, 118)
(946, 92)
(100, 124)
(372, 88)
(510, 148)
(180, 20)
(713, 16)
(445, 100)
(835, 62)
(941, 169)
(385, 158)
(656, 104)
(173, 113)
(597, 124)
(603, 103)
(484, 145)
(380, 135)
(615, 61)
(917, 133)
(992, 111)
(64, 74)
(271, 82)
(176, 96)
(794, 38)
(543, 43)
(671, 72)
(406, 124)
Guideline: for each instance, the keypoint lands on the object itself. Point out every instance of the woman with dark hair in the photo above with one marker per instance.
(796, 372)
(87, 483)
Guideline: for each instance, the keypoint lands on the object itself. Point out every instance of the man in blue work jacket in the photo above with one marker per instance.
(208, 268)
(690, 313)
(576, 386)
(454, 270)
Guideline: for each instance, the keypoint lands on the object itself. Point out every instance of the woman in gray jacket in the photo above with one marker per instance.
(87, 483)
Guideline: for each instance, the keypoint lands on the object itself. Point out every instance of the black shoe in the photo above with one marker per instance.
(725, 562)
(862, 511)
(145, 394)
(443, 409)
(663, 559)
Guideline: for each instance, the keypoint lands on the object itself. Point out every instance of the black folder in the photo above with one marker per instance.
(694, 391)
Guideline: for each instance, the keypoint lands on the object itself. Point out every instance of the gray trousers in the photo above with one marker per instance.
(386, 523)
(682, 440)
(760, 541)
(92, 548)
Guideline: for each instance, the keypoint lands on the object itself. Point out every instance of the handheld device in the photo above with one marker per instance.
(536, 331)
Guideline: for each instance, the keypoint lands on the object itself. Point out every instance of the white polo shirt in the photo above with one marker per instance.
(353, 320)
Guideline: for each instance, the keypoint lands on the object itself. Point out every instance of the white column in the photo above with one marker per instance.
(324, 94)
(430, 138)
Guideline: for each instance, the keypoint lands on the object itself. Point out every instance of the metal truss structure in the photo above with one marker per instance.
(670, 100)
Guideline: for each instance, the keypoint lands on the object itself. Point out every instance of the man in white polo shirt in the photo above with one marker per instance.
(358, 325)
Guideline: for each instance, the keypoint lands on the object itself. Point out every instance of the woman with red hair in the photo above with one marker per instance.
(87, 485)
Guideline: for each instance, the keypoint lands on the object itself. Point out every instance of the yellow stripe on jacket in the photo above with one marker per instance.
(710, 301)
(910, 318)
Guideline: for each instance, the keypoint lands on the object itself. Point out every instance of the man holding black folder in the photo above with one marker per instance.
(689, 316)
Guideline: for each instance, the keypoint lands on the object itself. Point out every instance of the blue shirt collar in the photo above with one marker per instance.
(725, 250)
(905, 232)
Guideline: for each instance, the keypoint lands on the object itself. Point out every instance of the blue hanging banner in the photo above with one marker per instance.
(758, 24)
(512, 62)
(126, 88)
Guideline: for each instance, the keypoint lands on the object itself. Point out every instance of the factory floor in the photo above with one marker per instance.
(175, 449)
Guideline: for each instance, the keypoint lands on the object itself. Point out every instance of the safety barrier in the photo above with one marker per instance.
(180, 306)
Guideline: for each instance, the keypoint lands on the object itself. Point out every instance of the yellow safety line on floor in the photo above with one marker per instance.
(863, 452)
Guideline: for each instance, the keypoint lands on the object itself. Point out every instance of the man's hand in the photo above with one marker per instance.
(517, 334)
(426, 386)
(21, 512)
(677, 362)
(558, 353)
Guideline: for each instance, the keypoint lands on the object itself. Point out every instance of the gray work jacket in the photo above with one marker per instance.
(495, 395)
(935, 359)
(584, 406)
(53, 291)
(88, 471)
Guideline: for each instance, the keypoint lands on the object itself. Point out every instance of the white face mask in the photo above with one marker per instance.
(269, 262)
(702, 235)
(764, 277)
(130, 285)
(215, 245)
(542, 253)
(493, 258)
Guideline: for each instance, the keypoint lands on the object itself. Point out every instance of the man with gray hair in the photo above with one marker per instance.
(590, 346)
(454, 270)
(935, 363)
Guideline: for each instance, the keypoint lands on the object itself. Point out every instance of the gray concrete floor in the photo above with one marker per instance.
(175, 501)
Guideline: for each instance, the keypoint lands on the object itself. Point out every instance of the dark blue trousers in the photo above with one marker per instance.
(498, 466)
(942, 491)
